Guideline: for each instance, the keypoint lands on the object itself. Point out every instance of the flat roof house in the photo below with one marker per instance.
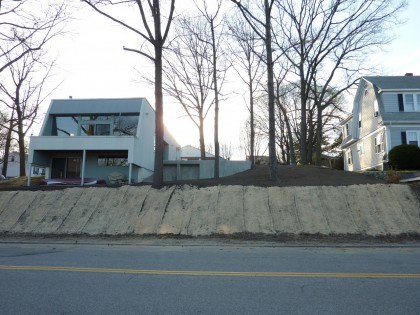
(386, 113)
(92, 138)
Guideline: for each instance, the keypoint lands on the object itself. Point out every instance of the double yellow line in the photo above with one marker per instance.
(217, 273)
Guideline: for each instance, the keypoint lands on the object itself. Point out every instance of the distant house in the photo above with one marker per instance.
(92, 138)
(13, 166)
(190, 153)
(386, 113)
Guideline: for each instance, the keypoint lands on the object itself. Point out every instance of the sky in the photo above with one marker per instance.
(93, 64)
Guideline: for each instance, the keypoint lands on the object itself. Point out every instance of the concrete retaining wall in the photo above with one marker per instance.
(371, 210)
(201, 169)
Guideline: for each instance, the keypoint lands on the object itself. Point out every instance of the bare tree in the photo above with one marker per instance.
(262, 27)
(334, 36)
(189, 71)
(247, 57)
(226, 150)
(215, 41)
(154, 34)
(26, 27)
(260, 136)
(25, 93)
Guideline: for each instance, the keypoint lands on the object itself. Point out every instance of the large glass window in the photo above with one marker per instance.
(95, 129)
(65, 126)
(126, 125)
(112, 160)
(95, 125)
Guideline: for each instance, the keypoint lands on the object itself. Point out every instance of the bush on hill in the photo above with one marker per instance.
(405, 157)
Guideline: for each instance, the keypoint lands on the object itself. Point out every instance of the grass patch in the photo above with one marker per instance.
(20, 181)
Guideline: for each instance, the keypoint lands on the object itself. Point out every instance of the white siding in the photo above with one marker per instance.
(369, 121)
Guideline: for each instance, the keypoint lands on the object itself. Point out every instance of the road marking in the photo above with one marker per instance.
(216, 273)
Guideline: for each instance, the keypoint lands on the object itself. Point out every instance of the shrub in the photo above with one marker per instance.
(405, 157)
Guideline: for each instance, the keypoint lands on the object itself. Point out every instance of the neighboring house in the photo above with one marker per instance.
(191, 166)
(92, 138)
(260, 159)
(13, 166)
(190, 153)
(386, 113)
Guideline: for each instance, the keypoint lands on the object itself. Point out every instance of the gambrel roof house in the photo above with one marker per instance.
(386, 113)
(93, 138)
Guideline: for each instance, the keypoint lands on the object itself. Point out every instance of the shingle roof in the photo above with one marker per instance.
(395, 82)
(402, 117)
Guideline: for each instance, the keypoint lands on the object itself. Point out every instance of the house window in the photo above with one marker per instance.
(65, 126)
(411, 102)
(125, 125)
(375, 109)
(361, 149)
(360, 120)
(346, 130)
(349, 158)
(379, 143)
(412, 138)
(95, 125)
(112, 160)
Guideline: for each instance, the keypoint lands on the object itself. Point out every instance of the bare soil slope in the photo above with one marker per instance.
(289, 176)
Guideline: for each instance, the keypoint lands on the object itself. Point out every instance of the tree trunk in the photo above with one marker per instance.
(303, 126)
(21, 135)
(7, 148)
(202, 142)
(251, 123)
(271, 97)
(310, 141)
(22, 153)
(319, 135)
(159, 143)
(216, 105)
(291, 144)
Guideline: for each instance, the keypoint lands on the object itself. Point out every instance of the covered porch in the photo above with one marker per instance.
(85, 164)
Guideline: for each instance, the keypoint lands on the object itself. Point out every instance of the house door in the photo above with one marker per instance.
(65, 168)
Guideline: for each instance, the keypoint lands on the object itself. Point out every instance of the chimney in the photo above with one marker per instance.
(409, 74)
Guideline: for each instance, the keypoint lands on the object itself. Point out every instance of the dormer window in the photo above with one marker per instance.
(375, 109)
(346, 130)
(409, 102)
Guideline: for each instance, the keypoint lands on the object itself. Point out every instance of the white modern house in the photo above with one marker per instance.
(92, 138)
(386, 113)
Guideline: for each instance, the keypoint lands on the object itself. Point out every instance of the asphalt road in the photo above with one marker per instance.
(208, 279)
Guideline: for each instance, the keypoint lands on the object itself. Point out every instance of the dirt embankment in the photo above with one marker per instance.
(365, 210)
